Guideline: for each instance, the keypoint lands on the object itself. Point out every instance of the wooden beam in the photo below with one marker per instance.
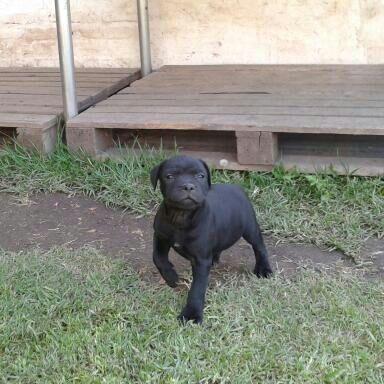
(256, 147)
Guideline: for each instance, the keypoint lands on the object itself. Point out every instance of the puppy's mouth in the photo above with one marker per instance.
(190, 199)
(187, 202)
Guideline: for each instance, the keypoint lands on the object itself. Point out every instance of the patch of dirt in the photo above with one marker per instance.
(55, 220)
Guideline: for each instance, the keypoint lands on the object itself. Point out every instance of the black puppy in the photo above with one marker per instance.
(199, 220)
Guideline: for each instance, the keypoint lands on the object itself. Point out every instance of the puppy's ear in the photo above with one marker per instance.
(208, 172)
(155, 175)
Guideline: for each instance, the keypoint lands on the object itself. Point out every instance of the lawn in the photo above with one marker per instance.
(330, 211)
(78, 317)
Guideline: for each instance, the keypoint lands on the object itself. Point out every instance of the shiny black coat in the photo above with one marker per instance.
(199, 220)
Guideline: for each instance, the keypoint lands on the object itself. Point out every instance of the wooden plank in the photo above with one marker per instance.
(282, 71)
(241, 110)
(256, 148)
(127, 94)
(52, 95)
(359, 166)
(24, 90)
(213, 159)
(287, 93)
(251, 86)
(241, 77)
(325, 90)
(225, 160)
(90, 140)
(43, 90)
(258, 81)
(329, 104)
(57, 70)
(307, 84)
(56, 76)
(43, 139)
(107, 91)
(298, 124)
(20, 120)
(274, 67)
(255, 76)
(268, 70)
(332, 145)
(46, 100)
(28, 90)
(217, 141)
(33, 109)
(342, 165)
(31, 103)
(55, 84)
(211, 84)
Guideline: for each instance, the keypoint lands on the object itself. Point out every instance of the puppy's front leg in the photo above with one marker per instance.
(196, 296)
(160, 258)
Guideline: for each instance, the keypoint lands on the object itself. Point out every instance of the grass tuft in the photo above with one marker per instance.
(79, 317)
(334, 212)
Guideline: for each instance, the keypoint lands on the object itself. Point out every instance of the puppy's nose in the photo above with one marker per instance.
(188, 187)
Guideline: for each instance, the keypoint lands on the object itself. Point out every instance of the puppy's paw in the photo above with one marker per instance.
(170, 276)
(263, 270)
(191, 314)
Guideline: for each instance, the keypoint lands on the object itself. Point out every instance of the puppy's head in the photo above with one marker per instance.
(184, 181)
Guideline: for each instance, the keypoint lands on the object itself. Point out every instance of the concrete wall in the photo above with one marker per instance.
(198, 32)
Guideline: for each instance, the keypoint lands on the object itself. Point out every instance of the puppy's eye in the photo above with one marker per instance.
(169, 177)
(201, 175)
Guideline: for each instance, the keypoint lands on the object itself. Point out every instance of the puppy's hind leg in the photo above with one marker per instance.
(160, 258)
(253, 236)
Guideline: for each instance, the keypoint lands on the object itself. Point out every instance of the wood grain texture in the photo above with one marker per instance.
(316, 99)
(249, 100)
(27, 120)
(231, 122)
(257, 148)
(305, 164)
(31, 99)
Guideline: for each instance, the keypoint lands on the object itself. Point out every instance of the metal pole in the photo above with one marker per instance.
(67, 65)
(145, 44)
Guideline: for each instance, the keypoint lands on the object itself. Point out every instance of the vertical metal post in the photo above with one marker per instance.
(67, 65)
(145, 44)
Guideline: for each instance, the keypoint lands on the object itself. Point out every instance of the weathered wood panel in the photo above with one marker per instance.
(258, 103)
(31, 101)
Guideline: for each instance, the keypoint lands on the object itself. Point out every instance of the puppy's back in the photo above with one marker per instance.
(232, 214)
(229, 198)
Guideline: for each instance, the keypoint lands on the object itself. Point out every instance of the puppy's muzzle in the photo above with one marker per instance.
(189, 187)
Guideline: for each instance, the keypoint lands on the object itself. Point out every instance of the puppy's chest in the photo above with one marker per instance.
(179, 243)
(183, 247)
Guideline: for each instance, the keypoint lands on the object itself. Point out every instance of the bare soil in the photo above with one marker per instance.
(52, 220)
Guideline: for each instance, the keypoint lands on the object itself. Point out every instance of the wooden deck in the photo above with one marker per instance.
(249, 116)
(31, 101)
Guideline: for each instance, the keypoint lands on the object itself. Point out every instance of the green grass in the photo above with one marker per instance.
(77, 317)
(327, 210)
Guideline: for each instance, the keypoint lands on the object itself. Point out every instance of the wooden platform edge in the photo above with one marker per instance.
(42, 139)
(256, 152)
(182, 122)
(305, 164)
(41, 130)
